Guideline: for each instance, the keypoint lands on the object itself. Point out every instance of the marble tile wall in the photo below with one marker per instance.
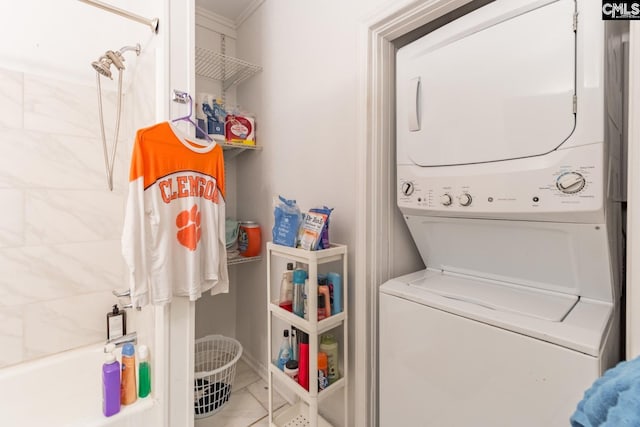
(59, 224)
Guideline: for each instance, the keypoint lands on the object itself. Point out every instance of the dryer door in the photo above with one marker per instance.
(496, 84)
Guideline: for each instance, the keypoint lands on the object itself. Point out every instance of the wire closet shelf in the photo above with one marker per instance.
(227, 69)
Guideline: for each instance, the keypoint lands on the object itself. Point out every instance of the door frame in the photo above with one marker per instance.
(633, 194)
(375, 202)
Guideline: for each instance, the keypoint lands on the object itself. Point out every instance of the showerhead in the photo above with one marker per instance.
(103, 66)
(116, 59)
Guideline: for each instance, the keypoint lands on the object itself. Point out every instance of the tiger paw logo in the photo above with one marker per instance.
(189, 231)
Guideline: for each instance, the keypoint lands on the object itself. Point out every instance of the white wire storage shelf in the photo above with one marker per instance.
(231, 149)
(239, 259)
(227, 69)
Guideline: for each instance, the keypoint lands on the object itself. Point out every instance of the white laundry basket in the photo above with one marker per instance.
(216, 357)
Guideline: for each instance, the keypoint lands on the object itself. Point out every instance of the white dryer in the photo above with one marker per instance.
(509, 124)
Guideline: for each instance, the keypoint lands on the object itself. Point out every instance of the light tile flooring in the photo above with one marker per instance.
(248, 404)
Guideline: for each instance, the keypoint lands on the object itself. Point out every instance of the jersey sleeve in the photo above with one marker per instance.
(134, 248)
(222, 286)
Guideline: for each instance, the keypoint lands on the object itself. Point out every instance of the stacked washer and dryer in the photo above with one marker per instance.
(509, 136)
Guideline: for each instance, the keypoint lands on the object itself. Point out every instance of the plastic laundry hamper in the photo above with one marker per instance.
(216, 357)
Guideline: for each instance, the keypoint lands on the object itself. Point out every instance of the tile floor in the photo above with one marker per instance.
(248, 404)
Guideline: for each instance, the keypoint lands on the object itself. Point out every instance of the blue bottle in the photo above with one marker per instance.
(299, 276)
(285, 351)
(335, 292)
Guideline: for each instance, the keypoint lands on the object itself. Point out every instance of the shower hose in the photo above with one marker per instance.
(109, 158)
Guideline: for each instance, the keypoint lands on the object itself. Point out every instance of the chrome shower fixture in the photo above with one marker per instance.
(103, 68)
(103, 64)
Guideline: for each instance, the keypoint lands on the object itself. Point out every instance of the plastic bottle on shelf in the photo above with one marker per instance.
(284, 355)
(299, 278)
(335, 290)
(324, 302)
(303, 363)
(322, 311)
(329, 345)
(294, 343)
(305, 299)
(128, 389)
(144, 372)
(286, 289)
(110, 383)
(323, 371)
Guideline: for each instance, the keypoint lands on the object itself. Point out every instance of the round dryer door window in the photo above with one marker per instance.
(495, 84)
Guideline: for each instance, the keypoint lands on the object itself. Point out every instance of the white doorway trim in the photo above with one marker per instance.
(376, 196)
(375, 202)
(633, 194)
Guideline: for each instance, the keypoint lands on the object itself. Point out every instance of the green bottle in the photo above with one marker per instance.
(144, 371)
(329, 345)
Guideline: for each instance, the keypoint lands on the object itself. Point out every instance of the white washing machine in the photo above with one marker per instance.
(509, 127)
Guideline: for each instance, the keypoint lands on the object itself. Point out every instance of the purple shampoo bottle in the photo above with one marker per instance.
(110, 384)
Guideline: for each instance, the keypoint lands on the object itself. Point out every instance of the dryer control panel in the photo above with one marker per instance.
(572, 183)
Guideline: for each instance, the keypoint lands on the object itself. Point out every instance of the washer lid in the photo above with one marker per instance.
(584, 328)
(496, 84)
(541, 304)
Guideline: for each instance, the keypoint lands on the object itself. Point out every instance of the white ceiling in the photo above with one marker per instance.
(231, 9)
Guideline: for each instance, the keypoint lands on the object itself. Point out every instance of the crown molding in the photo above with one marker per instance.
(227, 22)
(214, 17)
(248, 11)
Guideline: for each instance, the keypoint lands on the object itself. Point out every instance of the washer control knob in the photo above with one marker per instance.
(446, 199)
(570, 182)
(465, 199)
(407, 188)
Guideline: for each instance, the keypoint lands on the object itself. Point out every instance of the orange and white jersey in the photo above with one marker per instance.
(174, 229)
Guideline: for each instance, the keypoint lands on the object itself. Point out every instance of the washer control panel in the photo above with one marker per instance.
(407, 188)
(569, 186)
(571, 182)
(446, 199)
(465, 199)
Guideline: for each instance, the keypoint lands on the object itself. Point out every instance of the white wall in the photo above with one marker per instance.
(216, 314)
(306, 104)
(60, 233)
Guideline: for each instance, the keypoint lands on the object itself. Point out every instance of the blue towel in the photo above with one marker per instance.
(613, 400)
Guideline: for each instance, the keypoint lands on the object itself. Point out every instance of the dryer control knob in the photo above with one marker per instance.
(570, 182)
(407, 188)
(446, 199)
(465, 199)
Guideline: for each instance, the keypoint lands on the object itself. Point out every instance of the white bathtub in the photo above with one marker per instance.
(65, 390)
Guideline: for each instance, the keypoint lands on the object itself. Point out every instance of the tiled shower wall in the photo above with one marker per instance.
(59, 224)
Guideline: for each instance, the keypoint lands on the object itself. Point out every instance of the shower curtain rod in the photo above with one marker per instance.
(152, 23)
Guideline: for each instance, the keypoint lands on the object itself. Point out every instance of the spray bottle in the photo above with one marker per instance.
(284, 355)
(110, 383)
